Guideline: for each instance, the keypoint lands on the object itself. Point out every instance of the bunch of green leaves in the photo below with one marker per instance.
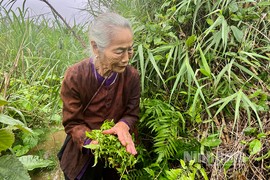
(110, 149)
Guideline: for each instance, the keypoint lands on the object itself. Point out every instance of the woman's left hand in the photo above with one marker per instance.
(121, 129)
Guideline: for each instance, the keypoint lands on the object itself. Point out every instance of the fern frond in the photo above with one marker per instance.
(166, 123)
(137, 174)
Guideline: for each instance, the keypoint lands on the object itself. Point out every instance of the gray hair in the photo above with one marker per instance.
(104, 26)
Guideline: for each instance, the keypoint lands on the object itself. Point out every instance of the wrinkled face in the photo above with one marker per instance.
(116, 55)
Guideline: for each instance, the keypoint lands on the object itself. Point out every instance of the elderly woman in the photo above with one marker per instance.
(99, 88)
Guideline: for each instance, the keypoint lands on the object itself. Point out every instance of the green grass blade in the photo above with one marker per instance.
(191, 75)
(237, 106)
(246, 70)
(224, 102)
(156, 67)
(180, 74)
(142, 68)
(253, 107)
(169, 58)
(205, 64)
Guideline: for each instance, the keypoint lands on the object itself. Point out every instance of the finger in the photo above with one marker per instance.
(123, 139)
(129, 144)
(94, 142)
(109, 131)
(131, 149)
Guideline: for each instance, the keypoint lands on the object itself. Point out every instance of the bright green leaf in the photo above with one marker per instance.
(228, 164)
(255, 146)
(149, 171)
(211, 141)
(6, 139)
(2, 101)
(209, 21)
(183, 164)
(190, 41)
(261, 135)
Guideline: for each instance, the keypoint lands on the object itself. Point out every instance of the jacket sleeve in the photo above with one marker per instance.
(73, 118)
(131, 114)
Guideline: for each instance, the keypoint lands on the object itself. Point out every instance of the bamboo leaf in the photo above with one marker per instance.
(238, 34)
(221, 74)
(264, 3)
(224, 32)
(168, 58)
(191, 75)
(205, 64)
(179, 75)
(254, 55)
(237, 105)
(142, 68)
(224, 102)
(214, 25)
(152, 60)
(246, 70)
(246, 99)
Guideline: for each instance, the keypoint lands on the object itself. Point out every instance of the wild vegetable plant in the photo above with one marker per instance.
(110, 149)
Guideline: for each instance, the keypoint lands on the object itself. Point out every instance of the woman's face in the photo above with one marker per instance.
(116, 55)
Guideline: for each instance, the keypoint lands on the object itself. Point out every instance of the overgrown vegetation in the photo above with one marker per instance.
(205, 77)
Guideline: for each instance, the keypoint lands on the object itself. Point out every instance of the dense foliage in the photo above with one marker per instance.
(110, 150)
(205, 77)
(209, 61)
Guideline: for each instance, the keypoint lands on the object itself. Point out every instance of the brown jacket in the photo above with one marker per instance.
(117, 101)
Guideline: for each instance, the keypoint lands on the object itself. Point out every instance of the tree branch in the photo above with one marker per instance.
(65, 22)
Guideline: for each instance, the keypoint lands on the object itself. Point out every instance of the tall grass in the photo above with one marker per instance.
(35, 53)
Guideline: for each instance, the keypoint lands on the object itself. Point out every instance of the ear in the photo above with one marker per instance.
(94, 47)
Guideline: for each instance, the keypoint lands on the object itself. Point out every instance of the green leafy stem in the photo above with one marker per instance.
(110, 149)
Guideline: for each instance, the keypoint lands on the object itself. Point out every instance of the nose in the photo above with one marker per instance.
(126, 57)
